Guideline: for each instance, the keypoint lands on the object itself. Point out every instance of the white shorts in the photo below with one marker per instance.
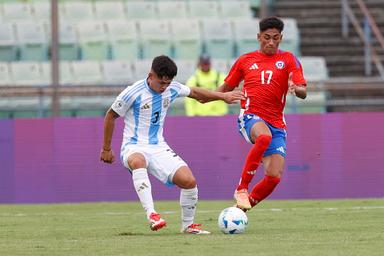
(161, 161)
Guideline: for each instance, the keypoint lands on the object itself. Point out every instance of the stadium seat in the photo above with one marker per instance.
(185, 69)
(93, 40)
(123, 39)
(16, 12)
(76, 11)
(8, 44)
(68, 41)
(155, 38)
(86, 105)
(220, 65)
(87, 72)
(235, 9)
(315, 68)
(217, 36)
(26, 73)
(68, 48)
(203, 9)
(41, 11)
(141, 10)
(291, 36)
(141, 68)
(5, 74)
(186, 38)
(109, 10)
(117, 72)
(32, 40)
(172, 9)
(27, 107)
(245, 34)
(315, 102)
(65, 70)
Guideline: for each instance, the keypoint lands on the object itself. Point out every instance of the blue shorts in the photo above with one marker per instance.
(279, 136)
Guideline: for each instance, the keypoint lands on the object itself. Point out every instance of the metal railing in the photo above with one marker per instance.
(364, 33)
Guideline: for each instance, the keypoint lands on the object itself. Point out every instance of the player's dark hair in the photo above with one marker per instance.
(271, 22)
(164, 66)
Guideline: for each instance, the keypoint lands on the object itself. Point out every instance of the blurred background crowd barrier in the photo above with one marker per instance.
(57, 160)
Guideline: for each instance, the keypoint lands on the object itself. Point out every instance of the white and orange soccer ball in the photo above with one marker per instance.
(232, 220)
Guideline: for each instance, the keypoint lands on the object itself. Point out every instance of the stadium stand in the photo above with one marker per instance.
(235, 9)
(141, 68)
(112, 43)
(32, 40)
(66, 76)
(8, 45)
(16, 11)
(186, 67)
(5, 74)
(69, 47)
(186, 37)
(117, 72)
(41, 11)
(76, 11)
(203, 9)
(123, 39)
(109, 10)
(155, 38)
(245, 31)
(217, 36)
(141, 10)
(93, 40)
(87, 72)
(26, 73)
(175, 9)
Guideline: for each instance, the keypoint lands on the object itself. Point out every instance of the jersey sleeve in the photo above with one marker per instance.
(235, 75)
(297, 71)
(180, 89)
(123, 102)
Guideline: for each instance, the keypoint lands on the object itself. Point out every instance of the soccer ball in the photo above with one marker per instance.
(232, 220)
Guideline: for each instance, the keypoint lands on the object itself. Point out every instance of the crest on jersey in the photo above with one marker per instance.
(165, 103)
(280, 64)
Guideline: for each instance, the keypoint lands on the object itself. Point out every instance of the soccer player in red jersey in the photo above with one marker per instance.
(268, 75)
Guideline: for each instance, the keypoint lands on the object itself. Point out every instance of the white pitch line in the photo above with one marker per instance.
(357, 208)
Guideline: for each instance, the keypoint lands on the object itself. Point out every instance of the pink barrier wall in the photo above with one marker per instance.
(56, 160)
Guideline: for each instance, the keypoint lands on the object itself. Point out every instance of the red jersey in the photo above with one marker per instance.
(266, 83)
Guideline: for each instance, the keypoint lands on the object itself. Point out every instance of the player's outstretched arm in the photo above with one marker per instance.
(106, 154)
(299, 91)
(225, 88)
(204, 95)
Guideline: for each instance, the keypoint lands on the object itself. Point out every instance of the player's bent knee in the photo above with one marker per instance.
(187, 183)
(136, 161)
(190, 183)
(263, 140)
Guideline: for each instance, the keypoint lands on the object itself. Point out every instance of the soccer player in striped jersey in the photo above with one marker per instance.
(268, 74)
(143, 106)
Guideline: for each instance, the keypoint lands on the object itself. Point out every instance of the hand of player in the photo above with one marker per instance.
(291, 85)
(107, 156)
(233, 96)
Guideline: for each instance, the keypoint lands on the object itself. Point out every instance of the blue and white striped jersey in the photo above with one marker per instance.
(144, 111)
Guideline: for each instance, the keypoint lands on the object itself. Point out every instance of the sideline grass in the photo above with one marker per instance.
(335, 227)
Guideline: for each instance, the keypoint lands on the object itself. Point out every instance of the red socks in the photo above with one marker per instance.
(263, 189)
(253, 160)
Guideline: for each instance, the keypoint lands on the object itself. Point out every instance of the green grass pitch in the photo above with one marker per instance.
(300, 227)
